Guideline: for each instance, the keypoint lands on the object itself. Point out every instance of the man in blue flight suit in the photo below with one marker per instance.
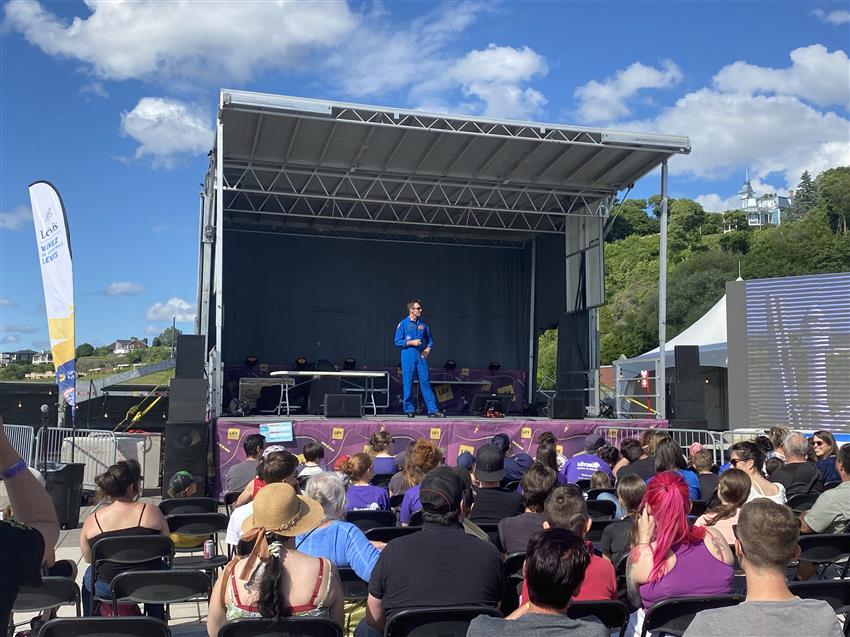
(414, 339)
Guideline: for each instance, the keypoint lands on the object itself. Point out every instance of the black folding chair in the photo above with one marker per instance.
(389, 533)
(512, 578)
(584, 485)
(105, 627)
(491, 529)
(173, 506)
(512, 485)
(673, 616)
(597, 528)
(230, 499)
(595, 493)
(613, 614)
(416, 518)
(381, 479)
(834, 592)
(601, 509)
(396, 500)
(365, 520)
(823, 549)
(53, 592)
(129, 552)
(831, 485)
(802, 501)
(428, 622)
(698, 507)
(159, 587)
(201, 526)
(288, 627)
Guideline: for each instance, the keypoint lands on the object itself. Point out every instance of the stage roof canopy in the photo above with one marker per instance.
(320, 168)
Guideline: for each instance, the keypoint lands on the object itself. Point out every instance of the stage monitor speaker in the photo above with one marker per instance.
(566, 408)
(185, 448)
(187, 400)
(483, 402)
(687, 363)
(320, 388)
(190, 356)
(343, 405)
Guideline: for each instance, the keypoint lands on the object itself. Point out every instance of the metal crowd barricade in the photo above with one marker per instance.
(711, 440)
(96, 449)
(21, 438)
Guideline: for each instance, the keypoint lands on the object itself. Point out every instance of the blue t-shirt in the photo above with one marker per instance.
(410, 504)
(692, 481)
(344, 545)
(381, 464)
(582, 467)
(366, 496)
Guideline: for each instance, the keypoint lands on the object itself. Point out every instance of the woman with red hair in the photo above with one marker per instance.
(669, 558)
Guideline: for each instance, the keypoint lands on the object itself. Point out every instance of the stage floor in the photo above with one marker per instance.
(453, 434)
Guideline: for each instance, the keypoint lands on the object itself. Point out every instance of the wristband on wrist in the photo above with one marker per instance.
(14, 470)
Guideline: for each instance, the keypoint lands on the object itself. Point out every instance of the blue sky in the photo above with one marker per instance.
(114, 102)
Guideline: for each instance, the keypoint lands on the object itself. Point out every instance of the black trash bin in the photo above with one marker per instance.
(65, 486)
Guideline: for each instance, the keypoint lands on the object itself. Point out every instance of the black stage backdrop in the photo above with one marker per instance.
(287, 296)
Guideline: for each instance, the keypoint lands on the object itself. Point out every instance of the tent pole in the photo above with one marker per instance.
(661, 381)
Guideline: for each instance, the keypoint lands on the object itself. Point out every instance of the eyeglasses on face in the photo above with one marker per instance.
(818, 443)
(734, 461)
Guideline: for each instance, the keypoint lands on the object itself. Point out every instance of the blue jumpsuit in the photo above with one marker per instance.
(412, 361)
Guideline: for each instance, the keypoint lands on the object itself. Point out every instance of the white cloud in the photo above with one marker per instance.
(94, 88)
(608, 100)
(167, 128)
(837, 17)
(11, 338)
(173, 307)
(7, 302)
(124, 287)
(16, 218)
(17, 329)
(815, 75)
(199, 40)
(152, 330)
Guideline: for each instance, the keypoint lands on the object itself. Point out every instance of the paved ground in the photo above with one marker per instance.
(187, 619)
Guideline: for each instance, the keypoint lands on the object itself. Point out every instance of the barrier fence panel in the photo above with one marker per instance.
(96, 449)
(710, 440)
(21, 437)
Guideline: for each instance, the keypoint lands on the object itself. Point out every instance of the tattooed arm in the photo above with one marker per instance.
(638, 565)
(718, 546)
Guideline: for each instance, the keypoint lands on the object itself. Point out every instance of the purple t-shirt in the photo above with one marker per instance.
(582, 467)
(380, 464)
(410, 504)
(366, 496)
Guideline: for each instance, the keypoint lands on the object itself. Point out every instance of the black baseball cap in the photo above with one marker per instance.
(489, 464)
(441, 491)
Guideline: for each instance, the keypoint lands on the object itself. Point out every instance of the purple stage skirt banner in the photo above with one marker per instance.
(453, 435)
(452, 399)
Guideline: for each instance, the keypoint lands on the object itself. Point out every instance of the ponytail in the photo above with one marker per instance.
(270, 596)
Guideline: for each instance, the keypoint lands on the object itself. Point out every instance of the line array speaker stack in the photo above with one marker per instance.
(190, 356)
(186, 435)
(687, 394)
(566, 408)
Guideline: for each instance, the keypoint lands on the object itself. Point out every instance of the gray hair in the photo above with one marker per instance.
(328, 490)
(796, 445)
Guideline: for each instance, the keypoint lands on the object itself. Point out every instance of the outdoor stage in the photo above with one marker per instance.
(342, 436)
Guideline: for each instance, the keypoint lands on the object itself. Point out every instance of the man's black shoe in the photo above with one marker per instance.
(410, 415)
(437, 414)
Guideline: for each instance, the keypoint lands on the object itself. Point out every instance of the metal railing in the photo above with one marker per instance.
(96, 449)
(710, 440)
(21, 438)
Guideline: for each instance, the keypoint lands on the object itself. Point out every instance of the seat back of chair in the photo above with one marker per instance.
(375, 518)
(597, 528)
(199, 524)
(105, 627)
(674, 615)
(396, 500)
(381, 479)
(51, 593)
(172, 506)
(601, 509)
(289, 627)
(614, 614)
(159, 587)
(834, 592)
(595, 493)
(130, 550)
(389, 533)
(353, 588)
(427, 622)
(698, 507)
(823, 548)
(802, 501)
(584, 485)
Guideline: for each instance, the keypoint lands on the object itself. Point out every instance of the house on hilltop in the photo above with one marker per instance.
(122, 346)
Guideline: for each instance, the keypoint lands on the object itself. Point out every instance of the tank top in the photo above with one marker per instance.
(696, 573)
(107, 571)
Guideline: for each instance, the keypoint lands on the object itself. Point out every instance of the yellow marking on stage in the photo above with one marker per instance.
(233, 433)
(464, 371)
(525, 432)
(507, 389)
(444, 393)
(485, 386)
(436, 433)
(337, 433)
(559, 449)
(463, 448)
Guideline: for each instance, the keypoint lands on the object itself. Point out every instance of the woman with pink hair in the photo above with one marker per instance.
(669, 558)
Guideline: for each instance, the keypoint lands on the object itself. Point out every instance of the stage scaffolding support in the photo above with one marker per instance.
(661, 385)
(325, 169)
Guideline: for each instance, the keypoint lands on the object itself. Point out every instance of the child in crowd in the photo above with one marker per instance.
(362, 495)
(313, 452)
(703, 463)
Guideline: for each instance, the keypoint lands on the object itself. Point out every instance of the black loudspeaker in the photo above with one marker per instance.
(343, 405)
(320, 388)
(687, 363)
(566, 408)
(185, 448)
(187, 400)
(190, 356)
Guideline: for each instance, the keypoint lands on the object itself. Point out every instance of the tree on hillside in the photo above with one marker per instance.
(156, 342)
(735, 241)
(804, 196)
(713, 224)
(84, 349)
(169, 335)
(103, 350)
(833, 197)
(631, 218)
(735, 220)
